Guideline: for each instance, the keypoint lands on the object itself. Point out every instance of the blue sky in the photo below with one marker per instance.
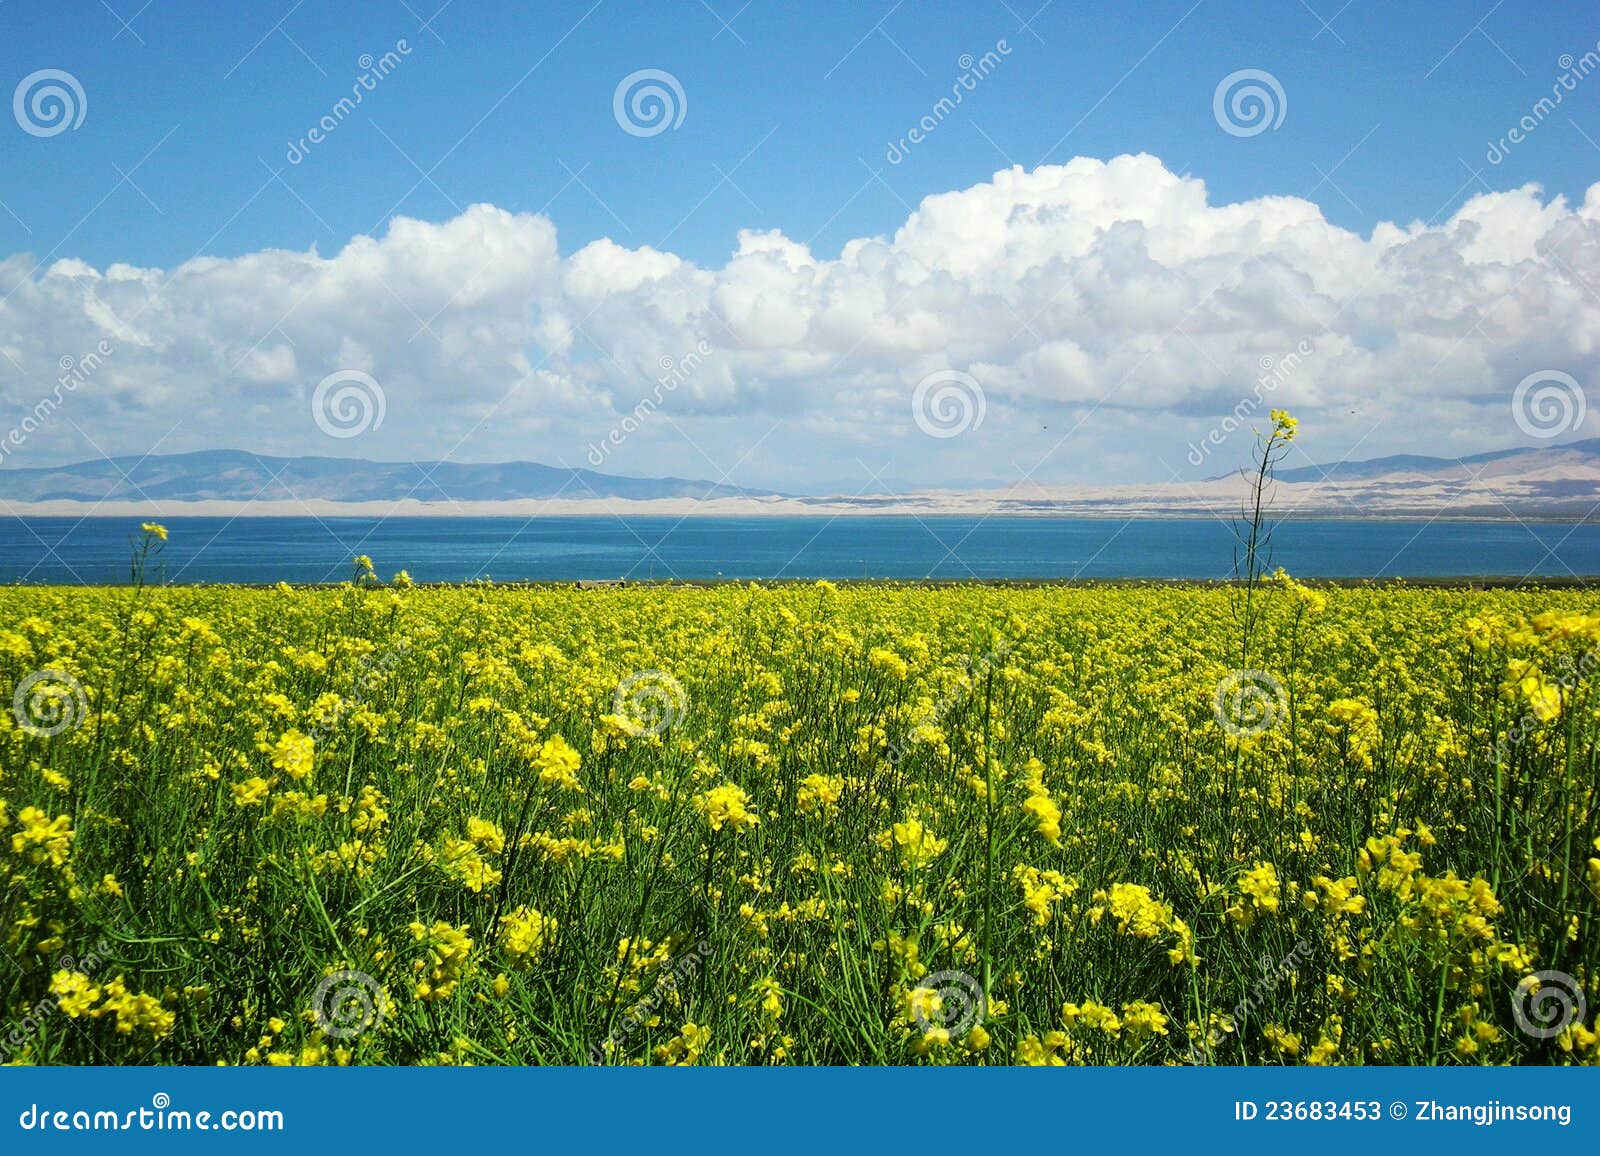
(789, 111)
(836, 81)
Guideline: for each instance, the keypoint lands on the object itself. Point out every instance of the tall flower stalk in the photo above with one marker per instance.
(1256, 534)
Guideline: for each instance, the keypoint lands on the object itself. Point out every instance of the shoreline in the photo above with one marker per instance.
(745, 508)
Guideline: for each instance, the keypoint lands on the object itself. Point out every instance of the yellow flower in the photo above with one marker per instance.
(447, 951)
(43, 839)
(888, 661)
(818, 793)
(685, 1047)
(1338, 896)
(1045, 812)
(250, 792)
(1041, 890)
(1258, 894)
(486, 835)
(1543, 696)
(525, 933)
(558, 763)
(917, 845)
(1034, 1052)
(134, 1010)
(155, 530)
(75, 993)
(1143, 1019)
(769, 993)
(1285, 1042)
(1092, 1015)
(1137, 912)
(727, 804)
(1351, 711)
(293, 754)
(462, 860)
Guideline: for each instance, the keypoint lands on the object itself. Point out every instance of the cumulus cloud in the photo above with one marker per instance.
(1112, 289)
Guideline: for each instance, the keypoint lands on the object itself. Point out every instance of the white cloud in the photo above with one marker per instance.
(1112, 287)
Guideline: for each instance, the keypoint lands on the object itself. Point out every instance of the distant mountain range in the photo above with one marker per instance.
(235, 476)
(1555, 483)
(1579, 454)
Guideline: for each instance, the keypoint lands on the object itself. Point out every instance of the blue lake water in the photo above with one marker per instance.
(300, 550)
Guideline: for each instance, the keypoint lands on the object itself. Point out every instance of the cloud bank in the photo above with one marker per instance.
(1108, 300)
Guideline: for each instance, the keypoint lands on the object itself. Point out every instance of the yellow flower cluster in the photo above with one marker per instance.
(525, 934)
(43, 839)
(78, 997)
(557, 762)
(726, 806)
(916, 845)
(1140, 914)
(447, 950)
(819, 793)
(1258, 894)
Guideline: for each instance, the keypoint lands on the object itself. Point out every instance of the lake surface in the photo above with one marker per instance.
(300, 550)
